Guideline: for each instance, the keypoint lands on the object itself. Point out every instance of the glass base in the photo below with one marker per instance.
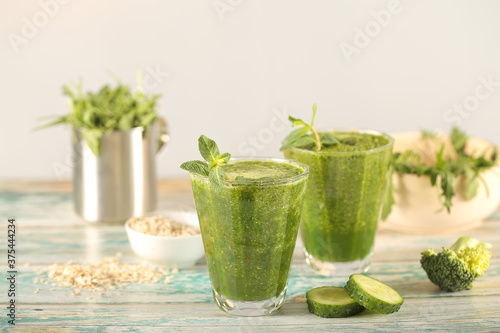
(340, 268)
(249, 308)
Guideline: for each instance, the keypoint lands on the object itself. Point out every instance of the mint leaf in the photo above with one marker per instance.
(296, 122)
(301, 142)
(299, 137)
(208, 149)
(328, 139)
(198, 167)
(297, 134)
(223, 158)
(217, 177)
(294, 136)
(214, 170)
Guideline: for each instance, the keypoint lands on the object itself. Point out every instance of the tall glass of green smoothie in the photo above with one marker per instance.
(249, 230)
(343, 199)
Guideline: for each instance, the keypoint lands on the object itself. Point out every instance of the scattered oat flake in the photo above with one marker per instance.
(175, 271)
(108, 273)
(161, 226)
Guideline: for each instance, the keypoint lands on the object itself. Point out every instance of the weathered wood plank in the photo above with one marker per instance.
(193, 286)
(45, 245)
(472, 314)
(49, 232)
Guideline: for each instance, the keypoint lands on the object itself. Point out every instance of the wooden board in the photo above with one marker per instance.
(48, 231)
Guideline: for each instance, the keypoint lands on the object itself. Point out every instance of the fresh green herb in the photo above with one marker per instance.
(212, 168)
(444, 170)
(301, 137)
(111, 108)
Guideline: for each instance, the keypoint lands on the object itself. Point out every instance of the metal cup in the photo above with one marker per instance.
(121, 181)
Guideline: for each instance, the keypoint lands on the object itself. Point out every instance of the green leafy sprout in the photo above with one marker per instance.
(456, 268)
(212, 167)
(109, 109)
(444, 172)
(306, 135)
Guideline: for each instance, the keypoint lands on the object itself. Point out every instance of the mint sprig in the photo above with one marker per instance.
(212, 168)
(301, 137)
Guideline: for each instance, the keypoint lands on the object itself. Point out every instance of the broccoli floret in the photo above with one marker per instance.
(456, 268)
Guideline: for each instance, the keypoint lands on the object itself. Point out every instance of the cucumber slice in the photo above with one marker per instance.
(373, 294)
(331, 302)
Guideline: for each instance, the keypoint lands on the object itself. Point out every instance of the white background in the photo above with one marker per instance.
(227, 74)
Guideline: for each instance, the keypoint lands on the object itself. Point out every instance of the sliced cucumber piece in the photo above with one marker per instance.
(331, 302)
(373, 294)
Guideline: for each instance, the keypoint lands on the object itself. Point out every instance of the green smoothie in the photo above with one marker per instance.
(249, 228)
(344, 195)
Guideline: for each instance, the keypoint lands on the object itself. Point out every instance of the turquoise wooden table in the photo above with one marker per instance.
(48, 231)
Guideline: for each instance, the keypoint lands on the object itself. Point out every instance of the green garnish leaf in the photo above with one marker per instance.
(223, 158)
(458, 139)
(212, 168)
(300, 137)
(296, 122)
(106, 110)
(217, 177)
(447, 188)
(328, 139)
(198, 167)
(445, 170)
(301, 142)
(208, 149)
(93, 138)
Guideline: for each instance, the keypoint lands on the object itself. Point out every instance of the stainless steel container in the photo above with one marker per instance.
(121, 181)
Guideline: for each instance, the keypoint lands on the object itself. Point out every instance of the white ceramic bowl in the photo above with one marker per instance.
(170, 252)
(418, 209)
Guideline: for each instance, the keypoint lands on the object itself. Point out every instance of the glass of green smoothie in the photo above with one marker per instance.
(343, 199)
(249, 229)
